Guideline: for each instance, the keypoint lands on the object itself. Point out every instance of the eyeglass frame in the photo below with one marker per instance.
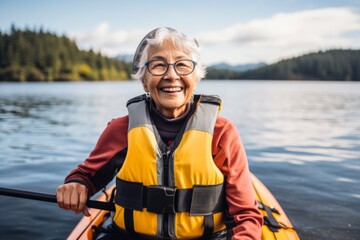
(168, 65)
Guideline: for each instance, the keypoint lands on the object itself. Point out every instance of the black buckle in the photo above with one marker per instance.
(161, 199)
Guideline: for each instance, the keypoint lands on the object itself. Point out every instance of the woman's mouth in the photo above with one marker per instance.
(171, 89)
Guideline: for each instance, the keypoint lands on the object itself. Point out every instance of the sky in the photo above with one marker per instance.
(231, 31)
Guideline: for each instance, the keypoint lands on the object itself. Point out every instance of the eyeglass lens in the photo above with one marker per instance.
(160, 67)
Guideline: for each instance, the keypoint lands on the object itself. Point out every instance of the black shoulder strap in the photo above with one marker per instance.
(212, 99)
(136, 99)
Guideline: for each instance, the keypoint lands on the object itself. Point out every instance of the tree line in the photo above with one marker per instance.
(37, 55)
(336, 64)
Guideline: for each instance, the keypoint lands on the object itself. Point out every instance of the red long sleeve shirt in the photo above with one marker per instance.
(242, 218)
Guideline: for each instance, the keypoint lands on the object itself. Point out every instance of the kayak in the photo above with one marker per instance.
(276, 224)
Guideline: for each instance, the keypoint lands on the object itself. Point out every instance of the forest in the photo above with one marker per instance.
(336, 64)
(36, 55)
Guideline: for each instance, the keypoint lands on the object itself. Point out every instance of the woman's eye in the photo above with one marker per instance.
(182, 65)
(158, 65)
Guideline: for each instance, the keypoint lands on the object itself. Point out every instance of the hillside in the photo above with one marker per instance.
(238, 68)
(337, 64)
(27, 55)
(35, 55)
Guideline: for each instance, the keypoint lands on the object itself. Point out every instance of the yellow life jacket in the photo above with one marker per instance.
(170, 192)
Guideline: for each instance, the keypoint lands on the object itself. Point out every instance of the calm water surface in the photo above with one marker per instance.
(302, 141)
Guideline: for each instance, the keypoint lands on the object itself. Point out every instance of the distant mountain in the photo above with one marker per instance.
(336, 64)
(124, 57)
(241, 68)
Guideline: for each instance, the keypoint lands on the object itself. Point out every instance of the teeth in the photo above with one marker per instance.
(171, 89)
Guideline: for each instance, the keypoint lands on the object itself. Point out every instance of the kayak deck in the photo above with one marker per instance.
(277, 225)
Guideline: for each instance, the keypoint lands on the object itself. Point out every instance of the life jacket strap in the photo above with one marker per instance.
(212, 99)
(208, 226)
(129, 223)
(201, 200)
(136, 99)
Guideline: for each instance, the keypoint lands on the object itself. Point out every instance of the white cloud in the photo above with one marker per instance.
(267, 39)
(286, 34)
(101, 38)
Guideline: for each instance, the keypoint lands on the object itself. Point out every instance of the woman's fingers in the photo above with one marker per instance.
(86, 212)
(59, 197)
(73, 196)
(82, 202)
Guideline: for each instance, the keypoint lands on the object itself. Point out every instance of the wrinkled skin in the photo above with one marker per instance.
(171, 93)
(73, 196)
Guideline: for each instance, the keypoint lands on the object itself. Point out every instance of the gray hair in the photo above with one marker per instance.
(156, 38)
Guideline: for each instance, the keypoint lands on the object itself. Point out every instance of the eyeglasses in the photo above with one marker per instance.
(160, 67)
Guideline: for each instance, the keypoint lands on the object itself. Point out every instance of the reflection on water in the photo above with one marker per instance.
(29, 125)
(302, 141)
(312, 121)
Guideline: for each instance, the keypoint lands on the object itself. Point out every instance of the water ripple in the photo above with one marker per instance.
(302, 140)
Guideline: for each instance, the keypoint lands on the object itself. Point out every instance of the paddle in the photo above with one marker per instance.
(52, 198)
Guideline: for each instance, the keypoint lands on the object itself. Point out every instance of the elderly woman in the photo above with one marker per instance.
(181, 170)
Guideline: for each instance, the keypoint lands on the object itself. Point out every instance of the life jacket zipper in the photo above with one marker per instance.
(165, 157)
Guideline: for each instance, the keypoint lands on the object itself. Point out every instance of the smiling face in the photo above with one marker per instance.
(170, 92)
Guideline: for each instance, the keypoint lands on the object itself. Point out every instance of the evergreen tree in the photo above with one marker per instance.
(31, 55)
(328, 65)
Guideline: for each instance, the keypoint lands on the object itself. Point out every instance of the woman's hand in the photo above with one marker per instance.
(73, 196)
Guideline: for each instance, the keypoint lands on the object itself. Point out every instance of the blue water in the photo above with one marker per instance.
(302, 141)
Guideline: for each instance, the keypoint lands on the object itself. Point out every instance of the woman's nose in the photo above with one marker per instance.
(171, 73)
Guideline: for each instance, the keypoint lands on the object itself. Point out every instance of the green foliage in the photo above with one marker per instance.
(30, 55)
(328, 65)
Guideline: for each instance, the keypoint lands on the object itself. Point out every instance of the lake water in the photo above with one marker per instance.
(302, 141)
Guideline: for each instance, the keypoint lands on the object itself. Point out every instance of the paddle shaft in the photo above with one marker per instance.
(51, 198)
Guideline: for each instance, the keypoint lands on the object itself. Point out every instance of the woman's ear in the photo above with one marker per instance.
(146, 89)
